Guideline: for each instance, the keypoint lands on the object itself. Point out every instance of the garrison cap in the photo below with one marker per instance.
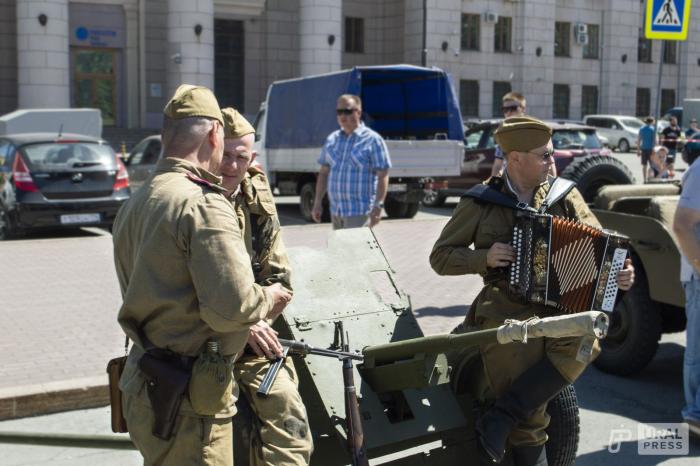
(235, 124)
(522, 134)
(193, 101)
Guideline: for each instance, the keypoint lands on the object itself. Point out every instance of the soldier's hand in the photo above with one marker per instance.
(500, 255)
(316, 212)
(625, 277)
(263, 340)
(280, 298)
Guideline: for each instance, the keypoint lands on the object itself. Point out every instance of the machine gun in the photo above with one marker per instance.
(353, 422)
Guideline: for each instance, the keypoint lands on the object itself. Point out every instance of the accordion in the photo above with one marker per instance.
(565, 264)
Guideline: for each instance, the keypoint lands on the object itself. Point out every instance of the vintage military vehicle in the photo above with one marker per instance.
(656, 302)
(418, 396)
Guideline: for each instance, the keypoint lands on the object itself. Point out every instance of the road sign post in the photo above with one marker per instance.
(666, 20)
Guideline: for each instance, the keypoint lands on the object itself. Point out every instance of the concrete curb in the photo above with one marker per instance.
(53, 397)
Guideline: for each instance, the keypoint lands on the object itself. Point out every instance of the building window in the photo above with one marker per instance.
(562, 39)
(470, 32)
(589, 100)
(590, 50)
(354, 35)
(469, 97)
(643, 48)
(643, 107)
(561, 101)
(670, 52)
(502, 34)
(500, 88)
(668, 100)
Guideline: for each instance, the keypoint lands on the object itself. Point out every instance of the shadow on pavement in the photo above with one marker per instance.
(61, 233)
(660, 401)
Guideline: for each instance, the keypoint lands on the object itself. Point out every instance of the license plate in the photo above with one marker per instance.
(397, 188)
(71, 219)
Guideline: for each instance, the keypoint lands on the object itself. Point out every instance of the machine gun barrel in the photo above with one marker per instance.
(593, 324)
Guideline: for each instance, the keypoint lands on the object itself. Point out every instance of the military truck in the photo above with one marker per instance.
(656, 302)
(418, 396)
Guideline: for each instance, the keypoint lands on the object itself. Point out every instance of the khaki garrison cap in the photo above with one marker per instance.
(235, 124)
(522, 134)
(193, 101)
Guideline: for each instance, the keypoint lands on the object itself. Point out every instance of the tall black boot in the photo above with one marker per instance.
(530, 456)
(535, 387)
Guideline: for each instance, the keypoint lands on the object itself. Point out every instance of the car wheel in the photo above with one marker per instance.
(564, 428)
(635, 330)
(623, 145)
(433, 198)
(400, 209)
(306, 203)
(592, 172)
(7, 231)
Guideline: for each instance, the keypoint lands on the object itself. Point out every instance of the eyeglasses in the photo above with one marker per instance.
(545, 156)
(510, 108)
(344, 111)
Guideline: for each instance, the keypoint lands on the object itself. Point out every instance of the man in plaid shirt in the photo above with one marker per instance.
(354, 170)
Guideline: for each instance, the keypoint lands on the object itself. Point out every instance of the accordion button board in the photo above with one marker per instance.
(565, 264)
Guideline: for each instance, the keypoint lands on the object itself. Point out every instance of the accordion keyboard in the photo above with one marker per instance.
(610, 293)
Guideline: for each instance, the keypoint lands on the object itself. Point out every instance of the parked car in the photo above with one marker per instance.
(142, 160)
(578, 156)
(65, 181)
(621, 131)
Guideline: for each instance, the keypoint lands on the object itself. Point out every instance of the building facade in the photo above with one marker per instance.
(126, 57)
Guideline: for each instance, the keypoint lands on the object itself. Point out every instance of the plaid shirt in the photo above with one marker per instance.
(353, 161)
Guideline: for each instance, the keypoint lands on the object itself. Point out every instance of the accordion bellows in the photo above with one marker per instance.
(565, 264)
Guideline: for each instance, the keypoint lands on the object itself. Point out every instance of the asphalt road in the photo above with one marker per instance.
(610, 407)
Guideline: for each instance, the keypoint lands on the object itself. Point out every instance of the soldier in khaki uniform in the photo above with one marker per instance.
(280, 434)
(186, 280)
(522, 377)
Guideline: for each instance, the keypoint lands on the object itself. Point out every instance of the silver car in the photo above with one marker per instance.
(621, 131)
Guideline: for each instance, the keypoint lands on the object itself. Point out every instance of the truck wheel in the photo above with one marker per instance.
(7, 230)
(635, 330)
(564, 427)
(623, 145)
(592, 172)
(433, 198)
(399, 209)
(306, 203)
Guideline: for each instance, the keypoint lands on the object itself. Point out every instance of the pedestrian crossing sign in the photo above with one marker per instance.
(667, 19)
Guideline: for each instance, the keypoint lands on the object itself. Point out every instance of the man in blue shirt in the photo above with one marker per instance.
(646, 140)
(354, 170)
(686, 226)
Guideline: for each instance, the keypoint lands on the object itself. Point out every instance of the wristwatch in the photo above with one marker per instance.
(379, 205)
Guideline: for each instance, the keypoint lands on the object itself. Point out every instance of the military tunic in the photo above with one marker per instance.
(280, 435)
(462, 248)
(185, 278)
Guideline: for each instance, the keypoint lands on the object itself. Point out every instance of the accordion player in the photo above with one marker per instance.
(564, 263)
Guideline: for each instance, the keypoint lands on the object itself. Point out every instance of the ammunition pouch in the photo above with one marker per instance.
(167, 376)
(115, 367)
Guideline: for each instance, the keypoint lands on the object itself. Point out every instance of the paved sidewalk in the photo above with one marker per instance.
(60, 299)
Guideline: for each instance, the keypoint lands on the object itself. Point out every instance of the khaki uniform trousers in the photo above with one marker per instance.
(195, 441)
(281, 434)
(504, 363)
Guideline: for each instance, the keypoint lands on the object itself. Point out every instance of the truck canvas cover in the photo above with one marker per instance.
(398, 102)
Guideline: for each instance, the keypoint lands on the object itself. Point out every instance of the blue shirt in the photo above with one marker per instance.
(353, 161)
(690, 199)
(646, 137)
